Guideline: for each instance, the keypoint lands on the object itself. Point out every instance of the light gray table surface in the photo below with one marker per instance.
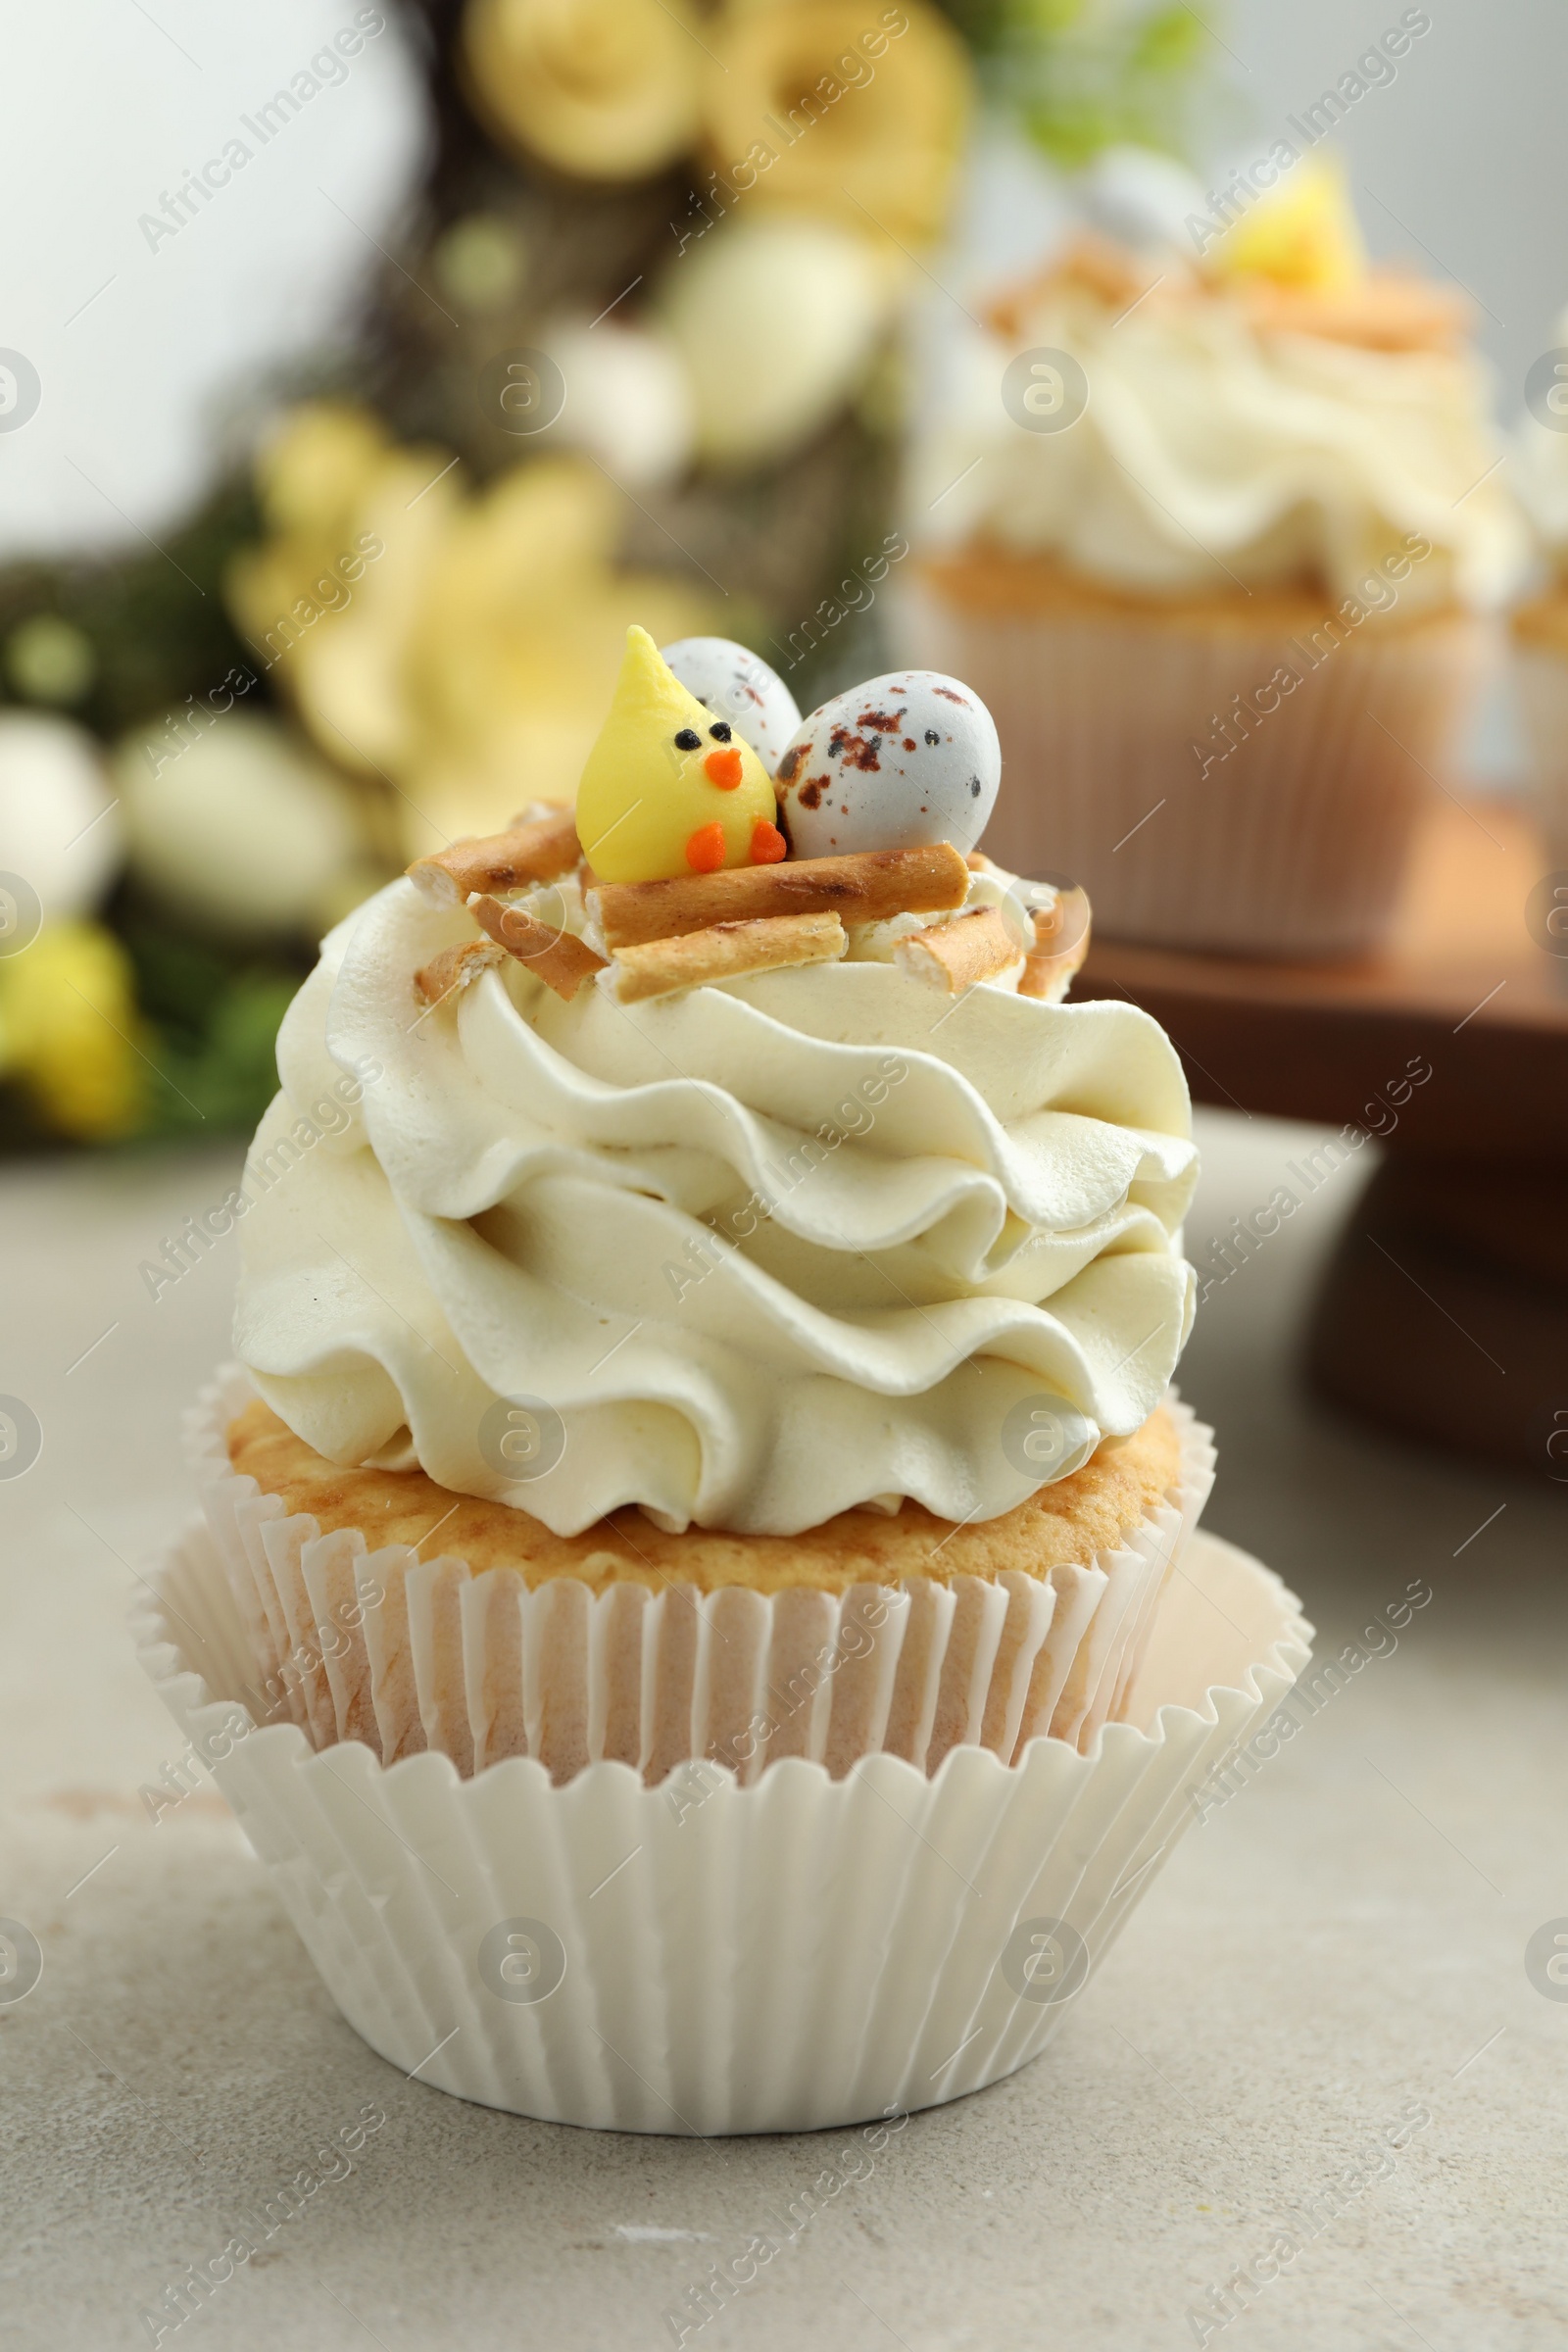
(1342, 1944)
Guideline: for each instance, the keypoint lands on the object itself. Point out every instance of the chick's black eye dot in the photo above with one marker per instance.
(688, 740)
(721, 733)
(932, 736)
(974, 786)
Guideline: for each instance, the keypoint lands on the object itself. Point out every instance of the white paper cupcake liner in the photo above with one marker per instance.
(703, 1957)
(405, 1654)
(1295, 843)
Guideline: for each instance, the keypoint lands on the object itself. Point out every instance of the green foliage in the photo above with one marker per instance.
(1086, 75)
(1169, 42)
(155, 622)
(156, 628)
(214, 1022)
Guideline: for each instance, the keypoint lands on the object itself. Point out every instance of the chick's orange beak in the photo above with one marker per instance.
(723, 768)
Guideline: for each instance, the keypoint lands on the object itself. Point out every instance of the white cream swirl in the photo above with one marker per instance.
(1217, 453)
(769, 1251)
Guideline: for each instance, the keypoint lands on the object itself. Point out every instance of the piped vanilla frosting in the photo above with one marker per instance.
(1232, 441)
(756, 1254)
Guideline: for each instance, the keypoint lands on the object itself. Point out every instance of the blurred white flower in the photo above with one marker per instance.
(776, 318)
(628, 400)
(241, 830)
(60, 828)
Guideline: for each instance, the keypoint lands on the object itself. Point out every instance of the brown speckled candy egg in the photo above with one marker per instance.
(732, 682)
(895, 763)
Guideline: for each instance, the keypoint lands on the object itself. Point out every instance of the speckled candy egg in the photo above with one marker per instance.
(729, 681)
(902, 761)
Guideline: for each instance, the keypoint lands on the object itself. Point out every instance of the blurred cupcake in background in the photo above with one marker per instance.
(1540, 623)
(1214, 532)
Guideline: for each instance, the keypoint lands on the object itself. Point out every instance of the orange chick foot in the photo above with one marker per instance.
(704, 849)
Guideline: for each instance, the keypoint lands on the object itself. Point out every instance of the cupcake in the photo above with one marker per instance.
(702, 1470)
(1540, 623)
(710, 1247)
(1213, 538)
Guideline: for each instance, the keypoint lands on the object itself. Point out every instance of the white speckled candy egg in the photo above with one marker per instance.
(730, 680)
(895, 763)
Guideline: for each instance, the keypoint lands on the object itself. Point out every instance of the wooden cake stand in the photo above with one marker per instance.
(1444, 1311)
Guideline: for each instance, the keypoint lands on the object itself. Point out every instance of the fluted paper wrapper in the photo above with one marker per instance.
(1295, 843)
(706, 1957)
(404, 1654)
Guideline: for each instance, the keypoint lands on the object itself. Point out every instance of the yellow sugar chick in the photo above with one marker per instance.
(669, 789)
(1301, 233)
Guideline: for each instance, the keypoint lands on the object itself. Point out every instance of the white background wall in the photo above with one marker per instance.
(1469, 146)
(144, 351)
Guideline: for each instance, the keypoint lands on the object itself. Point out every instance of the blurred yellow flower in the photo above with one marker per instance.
(835, 107)
(603, 89)
(469, 659)
(329, 599)
(67, 1022)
